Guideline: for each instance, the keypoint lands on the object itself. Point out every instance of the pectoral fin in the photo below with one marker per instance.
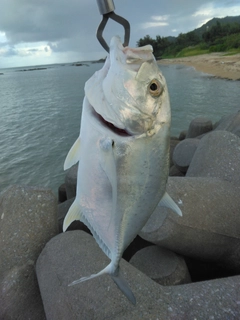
(107, 159)
(73, 214)
(168, 202)
(108, 164)
(73, 155)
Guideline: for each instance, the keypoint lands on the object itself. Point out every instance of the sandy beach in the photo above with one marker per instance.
(217, 64)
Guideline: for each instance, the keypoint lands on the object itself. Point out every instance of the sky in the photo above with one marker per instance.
(36, 32)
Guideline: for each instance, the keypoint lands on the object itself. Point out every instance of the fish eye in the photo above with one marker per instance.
(155, 88)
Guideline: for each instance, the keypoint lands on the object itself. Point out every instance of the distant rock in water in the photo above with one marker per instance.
(100, 60)
(1, 73)
(79, 64)
(86, 63)
(33, 69)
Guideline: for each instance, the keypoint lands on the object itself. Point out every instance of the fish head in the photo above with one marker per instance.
(130, 91)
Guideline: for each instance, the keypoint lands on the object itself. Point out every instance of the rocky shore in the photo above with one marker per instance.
(217, 64)
(178, 267)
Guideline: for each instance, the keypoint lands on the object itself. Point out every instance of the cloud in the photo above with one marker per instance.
(212, 10)
(159, 21)
(37, 51)
(8, 52)
(148, 25)
(31, 21)
(44, 31)
(161, 18)
(42, 51)
(3, 38)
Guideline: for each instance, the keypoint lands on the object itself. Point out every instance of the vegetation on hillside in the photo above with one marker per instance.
(219, 36)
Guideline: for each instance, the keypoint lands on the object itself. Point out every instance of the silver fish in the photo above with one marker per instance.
(123, 153)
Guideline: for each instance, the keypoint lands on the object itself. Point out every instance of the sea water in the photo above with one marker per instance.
(40, 113)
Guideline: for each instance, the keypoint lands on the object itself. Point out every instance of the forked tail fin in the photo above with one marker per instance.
(117, 278)
(123, 285)
(107, 269)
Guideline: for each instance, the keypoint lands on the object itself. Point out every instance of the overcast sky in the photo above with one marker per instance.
(34, 32)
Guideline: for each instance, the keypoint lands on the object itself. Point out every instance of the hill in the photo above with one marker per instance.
(212, 22)
(217, 35)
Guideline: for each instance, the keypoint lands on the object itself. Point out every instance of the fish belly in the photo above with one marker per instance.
(141, 165)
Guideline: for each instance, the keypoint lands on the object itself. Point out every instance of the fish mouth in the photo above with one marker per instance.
(109, 125)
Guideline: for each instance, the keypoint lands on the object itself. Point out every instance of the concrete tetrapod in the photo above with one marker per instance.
(210, 226)
(28, 221)
(73, 254)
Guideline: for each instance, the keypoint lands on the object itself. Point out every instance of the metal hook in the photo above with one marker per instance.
(106, 8)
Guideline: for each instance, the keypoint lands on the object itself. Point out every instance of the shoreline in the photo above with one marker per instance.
(216, 64)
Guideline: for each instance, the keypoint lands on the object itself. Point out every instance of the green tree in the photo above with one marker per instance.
(145, 41)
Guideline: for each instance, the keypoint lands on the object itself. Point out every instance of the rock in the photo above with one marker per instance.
(184, 152)
(28, 221)
(20, 296)
(230, 123)
(206, 270)
(198, 126)
(62, 194)
(72, 255)
(175, 172)
(210, 226)
(173, 144)
(71, 181)
(161, 265)
(182, 135)
(215, 124)
(137, 244)
(62, 211)
(217, 156)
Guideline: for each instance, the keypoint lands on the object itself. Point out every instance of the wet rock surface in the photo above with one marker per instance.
(28, 221)
(74, 254)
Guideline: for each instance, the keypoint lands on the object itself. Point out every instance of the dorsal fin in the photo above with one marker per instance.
(73, 155)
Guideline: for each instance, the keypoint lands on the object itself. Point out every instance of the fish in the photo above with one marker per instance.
(123, 153)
